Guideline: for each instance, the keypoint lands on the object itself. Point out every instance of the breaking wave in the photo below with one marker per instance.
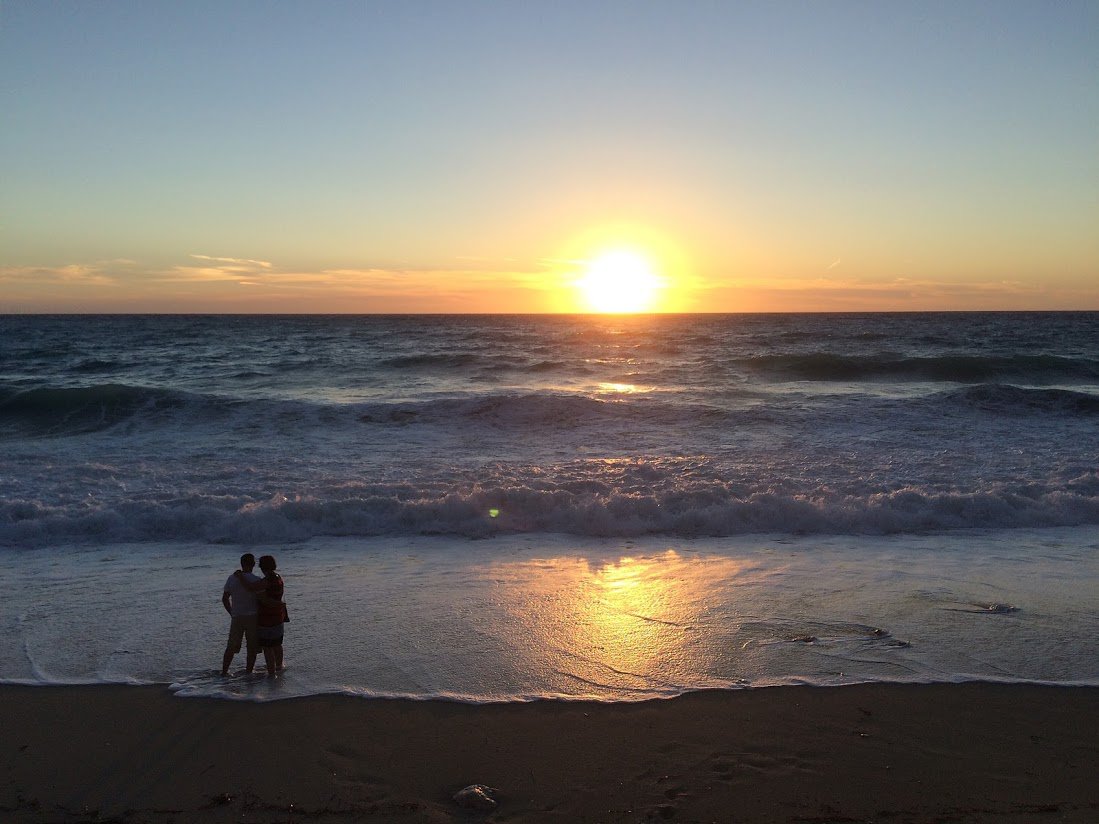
(578, 507)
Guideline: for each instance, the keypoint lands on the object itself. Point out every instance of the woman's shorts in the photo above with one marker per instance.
(270, 636)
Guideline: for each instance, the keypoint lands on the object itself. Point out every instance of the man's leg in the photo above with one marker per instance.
(251, 639)
(278, 658)
(236, 632)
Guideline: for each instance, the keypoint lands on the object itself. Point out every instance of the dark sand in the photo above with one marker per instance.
(881, 753)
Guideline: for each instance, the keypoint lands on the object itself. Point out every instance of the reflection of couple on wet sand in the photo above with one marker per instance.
(258, 613)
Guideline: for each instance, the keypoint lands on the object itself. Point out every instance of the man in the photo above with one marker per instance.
(240, 603)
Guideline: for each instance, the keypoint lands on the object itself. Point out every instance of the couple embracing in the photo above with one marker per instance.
(258, 613)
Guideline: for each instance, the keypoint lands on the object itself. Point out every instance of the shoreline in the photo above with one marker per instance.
(969, 752)
(551, 615)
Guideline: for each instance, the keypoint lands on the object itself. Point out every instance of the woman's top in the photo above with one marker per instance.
(272, 611)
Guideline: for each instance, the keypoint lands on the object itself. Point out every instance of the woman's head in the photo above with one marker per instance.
(267, 563)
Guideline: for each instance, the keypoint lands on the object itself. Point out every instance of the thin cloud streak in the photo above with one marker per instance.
(263, 264)
(364, 281)
(71, 275)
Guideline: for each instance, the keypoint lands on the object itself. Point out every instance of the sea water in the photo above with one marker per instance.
(519, 507)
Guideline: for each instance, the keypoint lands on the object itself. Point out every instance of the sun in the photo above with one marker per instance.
(619, 281)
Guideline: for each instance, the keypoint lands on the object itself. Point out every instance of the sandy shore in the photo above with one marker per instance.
(883, 753)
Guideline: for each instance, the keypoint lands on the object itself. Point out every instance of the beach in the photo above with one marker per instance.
(971, 752)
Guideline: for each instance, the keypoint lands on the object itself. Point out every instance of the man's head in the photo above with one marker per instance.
(267, 563)
(247, 561)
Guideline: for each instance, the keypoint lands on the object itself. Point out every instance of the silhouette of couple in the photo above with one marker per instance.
(258, 613)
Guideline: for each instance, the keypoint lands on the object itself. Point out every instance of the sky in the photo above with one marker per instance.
(473, 156)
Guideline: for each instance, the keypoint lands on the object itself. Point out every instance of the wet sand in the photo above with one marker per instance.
(882, 753)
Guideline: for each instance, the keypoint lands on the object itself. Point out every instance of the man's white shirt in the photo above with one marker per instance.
(244, 602)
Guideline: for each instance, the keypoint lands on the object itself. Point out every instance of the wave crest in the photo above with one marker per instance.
(823, 366)
(1017, 400)
(578, 507)
(53, 410)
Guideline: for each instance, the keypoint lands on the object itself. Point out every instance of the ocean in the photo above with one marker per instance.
(500, 508)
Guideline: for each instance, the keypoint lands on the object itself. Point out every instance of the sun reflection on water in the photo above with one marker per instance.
(632, 616)
(630, 623)
(618, 388)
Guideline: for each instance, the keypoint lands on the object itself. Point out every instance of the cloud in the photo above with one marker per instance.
(871, 285)
(263, 264)
(74, 274)
(214, 275)
(481, 259)
(216, 269)
(196, 274)
(830, 293)
(469, 286)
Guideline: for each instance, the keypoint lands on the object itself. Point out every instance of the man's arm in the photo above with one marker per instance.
(225, 602)
(251, 586)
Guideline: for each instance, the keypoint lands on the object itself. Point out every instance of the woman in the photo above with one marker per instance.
(271, 613)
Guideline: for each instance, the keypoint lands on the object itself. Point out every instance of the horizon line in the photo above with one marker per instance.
(555, 314)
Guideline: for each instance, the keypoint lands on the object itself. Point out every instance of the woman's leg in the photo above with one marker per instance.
(278, 658)
(269, 659)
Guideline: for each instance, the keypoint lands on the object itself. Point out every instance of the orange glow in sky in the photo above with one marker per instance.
(392, 161)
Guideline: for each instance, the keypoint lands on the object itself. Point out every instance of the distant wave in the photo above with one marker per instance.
(1007, 400)
(95, 365)
(426, 361)
(579, 507)
(559, 366)
(53, 410)
(549, 411)
(823, 366)
(61, 411)
(483, 364)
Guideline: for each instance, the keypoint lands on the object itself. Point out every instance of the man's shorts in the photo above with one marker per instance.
(242, 626)
(270, 636)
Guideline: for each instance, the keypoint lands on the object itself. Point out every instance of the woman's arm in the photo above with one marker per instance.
(266, 599)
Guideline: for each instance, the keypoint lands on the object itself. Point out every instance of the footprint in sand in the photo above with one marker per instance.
(749, 765)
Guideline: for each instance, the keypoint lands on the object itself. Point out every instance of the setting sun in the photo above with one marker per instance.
(620, 281)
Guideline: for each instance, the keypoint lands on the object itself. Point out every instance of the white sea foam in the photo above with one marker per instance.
(598, 503)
